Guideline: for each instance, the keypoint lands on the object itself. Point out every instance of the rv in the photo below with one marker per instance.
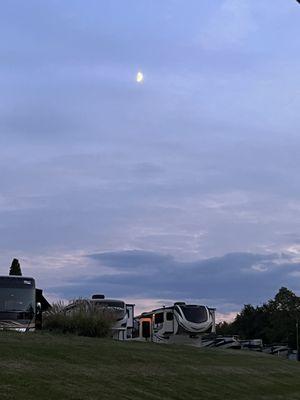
(222, 342)
(180, 323)
(252, 344)
(280, 350)
(121, 312)
(17, 303)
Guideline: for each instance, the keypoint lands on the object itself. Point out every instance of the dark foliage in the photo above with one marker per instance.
(274, 321)
(15, 268)
(81, 322)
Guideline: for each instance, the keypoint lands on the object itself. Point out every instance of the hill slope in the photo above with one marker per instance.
(44, 366)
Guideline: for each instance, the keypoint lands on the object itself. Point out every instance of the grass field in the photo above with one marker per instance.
(44, 366)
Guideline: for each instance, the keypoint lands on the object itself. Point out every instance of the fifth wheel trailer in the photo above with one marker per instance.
(180, 323)
(122, 313)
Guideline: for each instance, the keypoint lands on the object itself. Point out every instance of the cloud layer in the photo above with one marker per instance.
(225, 282)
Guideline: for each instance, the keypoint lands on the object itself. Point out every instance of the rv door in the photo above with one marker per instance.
(169, 322)
(146, 328)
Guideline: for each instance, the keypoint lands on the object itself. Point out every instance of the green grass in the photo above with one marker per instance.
(45, 366)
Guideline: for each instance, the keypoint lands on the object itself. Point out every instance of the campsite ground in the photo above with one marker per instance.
(45, 366)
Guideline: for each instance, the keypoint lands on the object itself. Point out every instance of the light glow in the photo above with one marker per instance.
(140, 77)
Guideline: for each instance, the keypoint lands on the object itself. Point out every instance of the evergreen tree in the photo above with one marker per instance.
(15, 268)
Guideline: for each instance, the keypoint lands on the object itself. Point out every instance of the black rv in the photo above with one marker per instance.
(17, 303)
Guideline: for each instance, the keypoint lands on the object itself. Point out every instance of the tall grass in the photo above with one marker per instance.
(82, 320)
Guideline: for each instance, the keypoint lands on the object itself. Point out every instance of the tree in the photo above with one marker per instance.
(284, 312)
(273, 322)
(15, 268)
(286, 300)
(225, 328)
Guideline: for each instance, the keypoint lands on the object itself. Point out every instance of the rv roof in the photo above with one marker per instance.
(15, 277)
(106, 300)
(156, 310)
(17, 282)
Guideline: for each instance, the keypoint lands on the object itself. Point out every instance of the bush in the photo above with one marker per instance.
(81, 321)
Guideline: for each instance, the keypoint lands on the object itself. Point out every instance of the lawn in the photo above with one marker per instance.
(44, 366)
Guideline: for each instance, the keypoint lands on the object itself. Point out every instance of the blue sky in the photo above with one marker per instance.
(183, 188)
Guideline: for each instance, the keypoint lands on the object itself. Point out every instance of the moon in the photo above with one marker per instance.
(139, 77)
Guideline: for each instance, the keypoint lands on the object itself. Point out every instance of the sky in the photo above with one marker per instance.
(182, 188)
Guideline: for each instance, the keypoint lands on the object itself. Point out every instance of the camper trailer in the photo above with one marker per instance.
(180, 323)
(121, 312)
(222, 342)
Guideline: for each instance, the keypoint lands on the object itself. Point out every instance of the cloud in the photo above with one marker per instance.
(132, 259)
(37, 122)
(225, 282)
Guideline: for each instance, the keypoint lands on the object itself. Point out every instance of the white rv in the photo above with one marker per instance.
(222, 342)
(122, 327)
(18, 306)
(180, 323)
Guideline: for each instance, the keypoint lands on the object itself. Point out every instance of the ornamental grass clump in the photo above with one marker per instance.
(82, 320)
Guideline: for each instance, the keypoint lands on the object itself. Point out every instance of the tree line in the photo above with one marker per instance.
(274, 322)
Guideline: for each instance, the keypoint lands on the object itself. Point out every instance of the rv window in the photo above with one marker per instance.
(194, 313)
(170, 316)
(159, 318)
(110, 303)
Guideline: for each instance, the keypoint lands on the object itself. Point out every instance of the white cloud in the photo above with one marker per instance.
(259, 267)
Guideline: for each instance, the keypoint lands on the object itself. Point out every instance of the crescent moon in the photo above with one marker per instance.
(139, 77)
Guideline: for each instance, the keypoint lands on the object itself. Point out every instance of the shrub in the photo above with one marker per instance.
(81, 320)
